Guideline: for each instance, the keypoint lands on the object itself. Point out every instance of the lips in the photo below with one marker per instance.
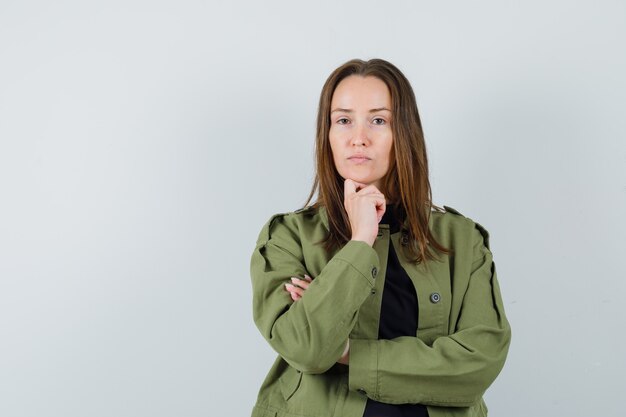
(359, 157)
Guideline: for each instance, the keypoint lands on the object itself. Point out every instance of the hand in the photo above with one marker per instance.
(297, 290)
(365, 209)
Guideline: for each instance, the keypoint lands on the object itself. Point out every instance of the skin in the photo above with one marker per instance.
(360, 123)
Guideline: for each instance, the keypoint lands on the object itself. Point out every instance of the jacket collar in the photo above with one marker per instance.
(324, 216)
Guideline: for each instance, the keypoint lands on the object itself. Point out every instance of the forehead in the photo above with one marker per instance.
(355, 90)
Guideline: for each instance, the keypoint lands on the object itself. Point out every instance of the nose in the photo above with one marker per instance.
(360, 135)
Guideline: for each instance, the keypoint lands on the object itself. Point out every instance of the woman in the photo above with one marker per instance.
(378, 302)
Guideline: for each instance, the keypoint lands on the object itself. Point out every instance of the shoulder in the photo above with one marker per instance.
(451, 221)
(289, 225)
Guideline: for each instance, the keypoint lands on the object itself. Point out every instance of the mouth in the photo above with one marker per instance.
(358, 158)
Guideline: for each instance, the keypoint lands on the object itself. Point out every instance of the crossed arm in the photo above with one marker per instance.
(309, 321)
(296, 288)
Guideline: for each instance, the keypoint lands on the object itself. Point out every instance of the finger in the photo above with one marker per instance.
(352, 187)
(369, 189)
(379, 201)
(294, 289)
(308, 278)
(378, 197)
(381, 207)
(289, 287)
(293, 295)
(349, 188)
(300, 282)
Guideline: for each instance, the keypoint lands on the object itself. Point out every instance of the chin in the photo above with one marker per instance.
(361, 179)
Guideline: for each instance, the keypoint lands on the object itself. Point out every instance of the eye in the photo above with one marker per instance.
(379, 121)
(342, 120)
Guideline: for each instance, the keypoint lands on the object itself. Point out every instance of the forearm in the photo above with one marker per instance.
(457, 368)
(311, 334)
(455, 371)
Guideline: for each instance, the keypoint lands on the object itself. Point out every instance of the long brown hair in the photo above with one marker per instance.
(406, 182)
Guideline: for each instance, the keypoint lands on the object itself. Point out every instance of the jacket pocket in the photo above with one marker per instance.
(289, 382)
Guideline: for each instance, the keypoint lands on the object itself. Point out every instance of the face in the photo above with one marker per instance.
(360, 129)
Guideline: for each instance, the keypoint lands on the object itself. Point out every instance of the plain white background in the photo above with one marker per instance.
(143, 144)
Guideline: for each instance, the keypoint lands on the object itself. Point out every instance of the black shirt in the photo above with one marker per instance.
(398, 317)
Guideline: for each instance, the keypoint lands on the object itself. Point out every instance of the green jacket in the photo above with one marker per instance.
(461, 343)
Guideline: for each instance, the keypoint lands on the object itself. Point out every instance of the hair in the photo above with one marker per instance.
(406, 183)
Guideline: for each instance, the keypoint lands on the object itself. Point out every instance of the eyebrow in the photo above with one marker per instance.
(350, 110)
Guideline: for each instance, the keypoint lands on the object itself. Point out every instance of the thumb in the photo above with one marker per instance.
(349, 188)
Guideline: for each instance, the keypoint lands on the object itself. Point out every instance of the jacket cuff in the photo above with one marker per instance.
(361, 257)
(362, 367)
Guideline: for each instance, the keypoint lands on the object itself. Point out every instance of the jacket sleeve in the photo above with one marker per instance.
(310, 334)
(457, 369)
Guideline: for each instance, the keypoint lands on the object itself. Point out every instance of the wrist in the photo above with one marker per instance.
(363, 239)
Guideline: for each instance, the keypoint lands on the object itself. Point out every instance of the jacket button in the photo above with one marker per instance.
(435, 297)
(374, 272)
(373, 291)
(404, 239)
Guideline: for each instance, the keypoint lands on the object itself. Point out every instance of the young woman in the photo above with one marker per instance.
(378, 302)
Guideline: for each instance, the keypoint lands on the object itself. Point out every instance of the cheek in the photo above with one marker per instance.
(334, 148)
(336, 140)
(388, 149)
(333, 137)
